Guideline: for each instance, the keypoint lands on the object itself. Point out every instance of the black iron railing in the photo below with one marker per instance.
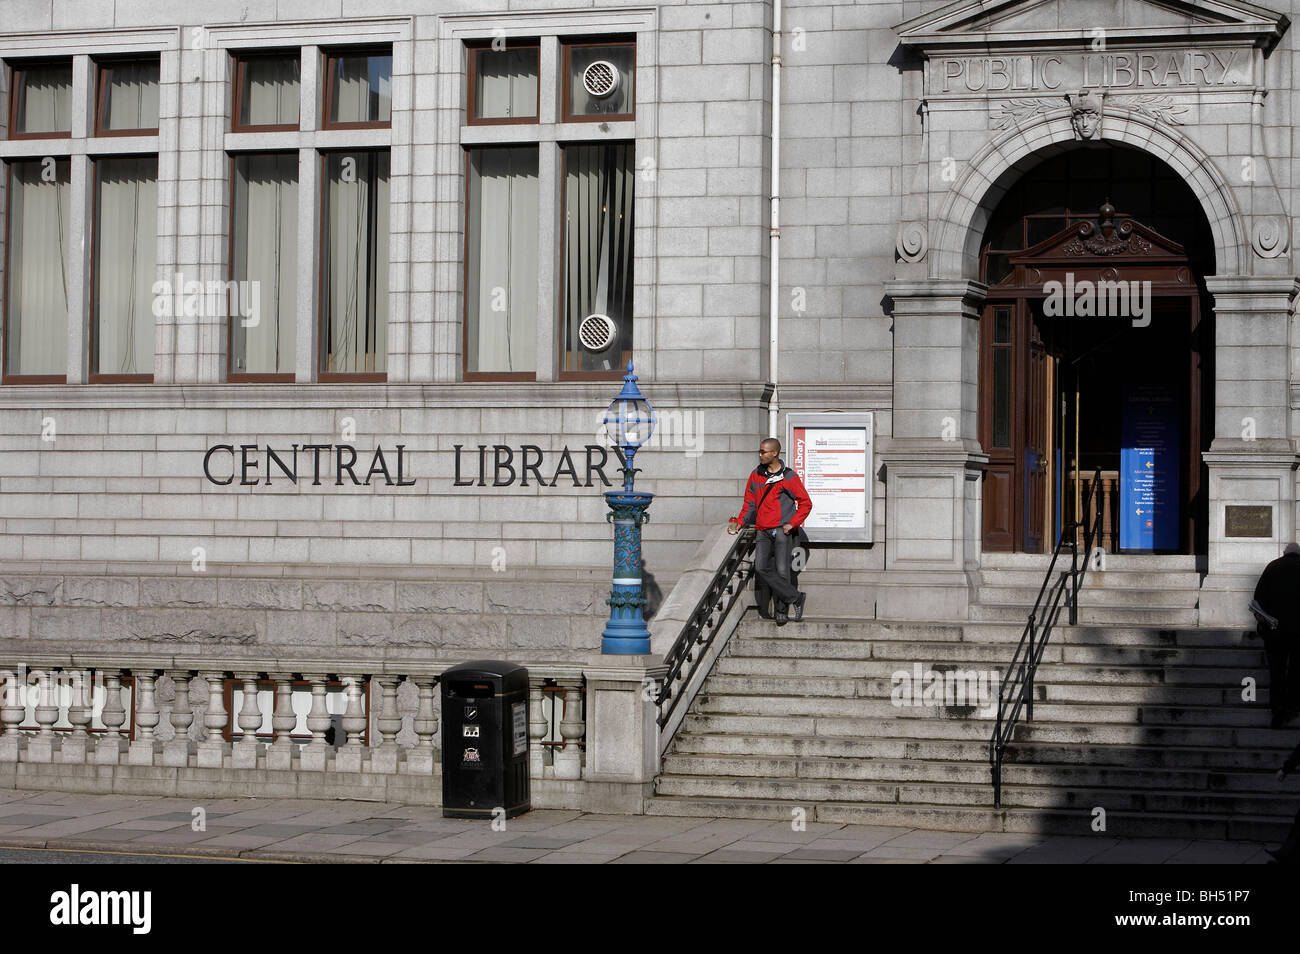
(692, 645)
(1017, 691)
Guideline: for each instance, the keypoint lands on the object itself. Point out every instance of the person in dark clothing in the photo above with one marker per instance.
(776, 504)
(1277, 594)
(1288, 853)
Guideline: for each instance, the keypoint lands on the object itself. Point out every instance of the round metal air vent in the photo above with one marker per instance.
(597, 333)
(600, 79)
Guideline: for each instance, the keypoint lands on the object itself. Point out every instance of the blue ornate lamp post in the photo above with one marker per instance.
(629, 422)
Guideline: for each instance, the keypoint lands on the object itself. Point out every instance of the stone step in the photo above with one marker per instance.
(1123, 616)
(975, 730)
(945, 818)
(1274, 805)
(1045, 712)
(1114, 561)
(1045, 689)
(1166, 598)
(973, 773)
(1154, 580)
(908, 651)
(1263, 759)
(1090, 597)
(784, 667)
(1008, 634)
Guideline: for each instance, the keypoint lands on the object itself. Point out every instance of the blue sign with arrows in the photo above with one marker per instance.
(1149, 462)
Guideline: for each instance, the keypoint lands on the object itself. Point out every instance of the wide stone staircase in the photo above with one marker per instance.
(1149, 721)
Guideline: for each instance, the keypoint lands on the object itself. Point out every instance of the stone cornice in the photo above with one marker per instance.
(958, 26)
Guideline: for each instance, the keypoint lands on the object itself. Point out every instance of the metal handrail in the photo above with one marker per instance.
(1017, 692)
(692, 644)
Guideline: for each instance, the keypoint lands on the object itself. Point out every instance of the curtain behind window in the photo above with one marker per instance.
(270, 96)
(266, 256)
(506, 84)
(44, 100)
(363, 89)
(132, 97)
(598, 193)
(356, 262)
(125, 264)
(501, 249)
(36, 319)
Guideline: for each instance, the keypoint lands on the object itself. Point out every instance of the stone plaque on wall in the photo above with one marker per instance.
(1241, 521)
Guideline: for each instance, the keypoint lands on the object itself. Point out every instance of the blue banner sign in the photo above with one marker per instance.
(1149, 464)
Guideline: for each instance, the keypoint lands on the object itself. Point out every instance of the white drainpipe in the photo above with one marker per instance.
(774, 254)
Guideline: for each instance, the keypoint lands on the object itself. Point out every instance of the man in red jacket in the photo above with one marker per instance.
(777, 504)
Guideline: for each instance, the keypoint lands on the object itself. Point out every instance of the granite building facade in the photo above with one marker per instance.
(257, 254)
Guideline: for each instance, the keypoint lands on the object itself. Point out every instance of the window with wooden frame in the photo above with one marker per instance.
(502, 84)
(354, 265)
(358, 89)
(35, 329)
(124, 258)
(267, 91)
(40, 99)
(126, 102)
(599, 81)
(261, 330)
(597, 290)
(501, 261)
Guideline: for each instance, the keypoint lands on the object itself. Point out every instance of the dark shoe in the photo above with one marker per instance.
(764, 611)
(796, 608)
(780, 618)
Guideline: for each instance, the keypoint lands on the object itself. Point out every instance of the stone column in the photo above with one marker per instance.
(244, 752)
(568, 759)
(933, 459)
(147, 717)
(75, 746)
(279, 755)
(109, 749)
(349, 757)
(12, 712)
(315, 753)
(622, 738)
(1252, 460)
(420, 757)
(41, 747)
(385, 757)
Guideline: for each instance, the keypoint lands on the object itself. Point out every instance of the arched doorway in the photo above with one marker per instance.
(1096, 351)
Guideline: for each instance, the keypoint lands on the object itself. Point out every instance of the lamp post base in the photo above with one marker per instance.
(626, 634)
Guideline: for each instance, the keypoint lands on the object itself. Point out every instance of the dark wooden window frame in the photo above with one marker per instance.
(5, 376)
(566, 74)
(465, 373)
(241, 59)
(17, 69)
(241, 377)
(327, 64)
(472, 51)
(94, 376)
(322, 344)
(562, 263)
(101, 92)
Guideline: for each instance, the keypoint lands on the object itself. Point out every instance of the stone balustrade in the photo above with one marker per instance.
(260, 726)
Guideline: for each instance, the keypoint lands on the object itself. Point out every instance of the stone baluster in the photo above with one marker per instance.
(349, 758)
(212, 750)
(387, 755)
(75, 745)
(420, 757)
(568, 760)
(147, 717)
(280, 753)
(244, 752)
(537, 726)
(41, 748)
(109, 749)
(315, 753)
(12, 711)
(176, 753)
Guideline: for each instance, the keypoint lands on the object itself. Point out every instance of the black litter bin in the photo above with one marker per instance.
(485, 740)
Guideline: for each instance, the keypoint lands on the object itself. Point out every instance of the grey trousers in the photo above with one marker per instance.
(772, 568)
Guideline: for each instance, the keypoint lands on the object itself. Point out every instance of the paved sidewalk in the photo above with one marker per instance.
(341, 831)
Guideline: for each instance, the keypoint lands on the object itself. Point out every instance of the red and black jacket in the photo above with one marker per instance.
(786, 502)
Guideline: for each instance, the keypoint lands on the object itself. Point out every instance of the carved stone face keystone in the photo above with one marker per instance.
(1085, 114)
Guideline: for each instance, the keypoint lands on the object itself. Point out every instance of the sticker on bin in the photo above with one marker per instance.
(469, 731)
(471, 713)
(519, 716)
(471, 755)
